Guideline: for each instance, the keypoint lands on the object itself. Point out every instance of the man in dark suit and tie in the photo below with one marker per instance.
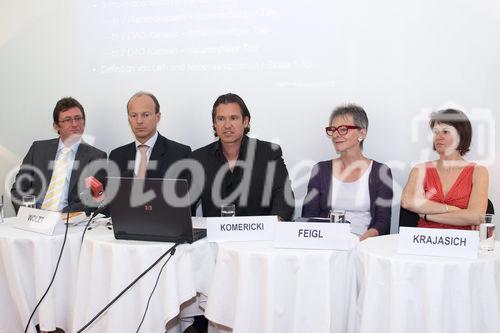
(151, 155)
(54, 171)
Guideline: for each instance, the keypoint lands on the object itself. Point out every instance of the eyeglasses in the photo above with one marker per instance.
(342, 129)
(69, 120)
(144, 116)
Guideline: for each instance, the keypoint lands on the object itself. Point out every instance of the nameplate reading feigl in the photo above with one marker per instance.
(307, 235)
(438, 242)
(240, 228)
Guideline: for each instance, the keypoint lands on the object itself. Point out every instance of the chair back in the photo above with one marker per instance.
(407, 218)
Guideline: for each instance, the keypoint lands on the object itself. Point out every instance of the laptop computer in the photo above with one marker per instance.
(152, 209)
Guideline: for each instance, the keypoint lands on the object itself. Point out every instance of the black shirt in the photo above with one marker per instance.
(258, 184)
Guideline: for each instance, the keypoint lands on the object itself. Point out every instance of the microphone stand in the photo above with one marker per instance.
(53, 275)
(99, 209)
(69, 208)
(170, 250)
(88, 210)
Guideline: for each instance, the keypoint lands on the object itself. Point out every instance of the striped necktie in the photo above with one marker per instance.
(54, 193)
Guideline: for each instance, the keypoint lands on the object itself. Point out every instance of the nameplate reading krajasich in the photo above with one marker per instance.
(304, 235)
(240, 228)
(438, 242)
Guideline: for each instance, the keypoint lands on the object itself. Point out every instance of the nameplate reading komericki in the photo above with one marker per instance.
(438, 242)
(240, 228)
(306, 235)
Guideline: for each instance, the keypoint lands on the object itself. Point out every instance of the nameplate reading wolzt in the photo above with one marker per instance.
(37, 220)
(438, 242)
(241, 228)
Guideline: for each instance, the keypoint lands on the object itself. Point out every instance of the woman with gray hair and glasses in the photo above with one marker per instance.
(351, 182)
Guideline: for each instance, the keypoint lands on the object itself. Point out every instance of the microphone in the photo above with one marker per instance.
(95, 186)
(93, 195)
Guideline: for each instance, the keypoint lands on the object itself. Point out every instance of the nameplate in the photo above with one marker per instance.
(307, 235)
(46, 222)
(438, 242)
(241, 228)
(37, 220)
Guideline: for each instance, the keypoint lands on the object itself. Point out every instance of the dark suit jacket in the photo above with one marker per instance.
(36, 171)
(267, 190)
(165, 153)
(318, 201)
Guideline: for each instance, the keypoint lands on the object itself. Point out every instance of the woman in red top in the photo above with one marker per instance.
(449, 192)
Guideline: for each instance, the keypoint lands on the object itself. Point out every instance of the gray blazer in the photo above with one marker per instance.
(36, 171)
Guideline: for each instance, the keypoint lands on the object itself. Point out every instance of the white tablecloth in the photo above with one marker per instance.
(108, 265)
(403, 293)
(27, 263)
(256, 288)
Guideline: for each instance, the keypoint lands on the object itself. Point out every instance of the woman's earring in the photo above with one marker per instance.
(360, 139)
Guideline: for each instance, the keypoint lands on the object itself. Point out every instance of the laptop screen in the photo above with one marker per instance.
(152, 209)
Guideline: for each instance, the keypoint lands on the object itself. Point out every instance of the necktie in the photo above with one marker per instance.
(55, 191)
(141, 173)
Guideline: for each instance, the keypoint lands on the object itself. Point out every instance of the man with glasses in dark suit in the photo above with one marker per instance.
(54, 171)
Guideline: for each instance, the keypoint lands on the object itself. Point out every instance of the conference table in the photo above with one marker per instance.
(259, 288)
(27, 262)
(243, 286)
(91, 275)
(108, 265)
(405, 293)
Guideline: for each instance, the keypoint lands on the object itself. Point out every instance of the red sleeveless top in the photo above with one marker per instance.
(458, 195)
